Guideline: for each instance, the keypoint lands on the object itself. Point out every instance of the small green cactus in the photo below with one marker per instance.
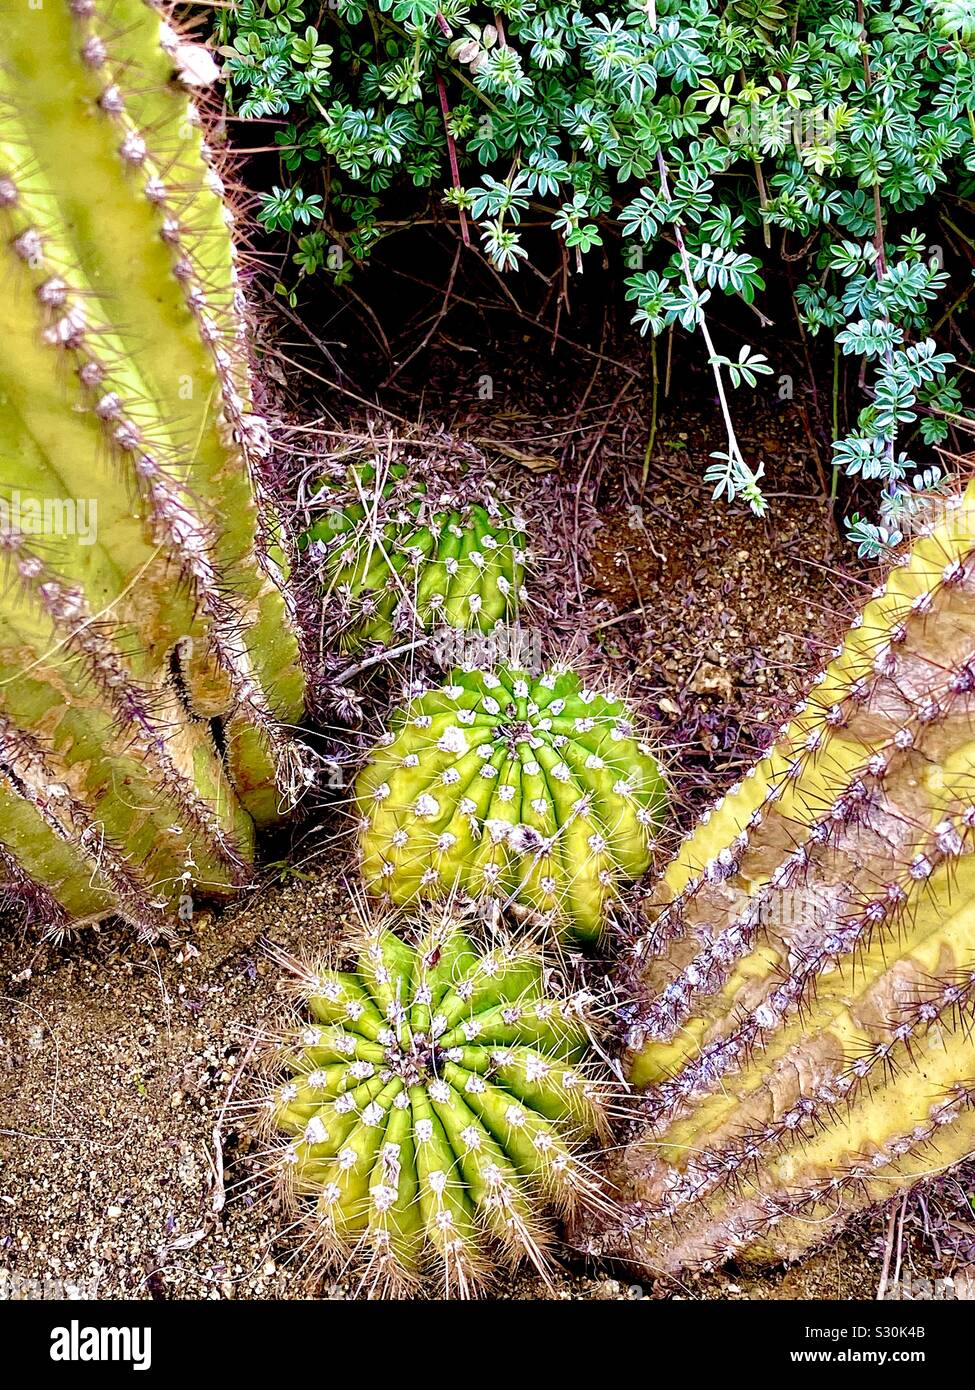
(400, 555)
(526, 788)
(435, 1104)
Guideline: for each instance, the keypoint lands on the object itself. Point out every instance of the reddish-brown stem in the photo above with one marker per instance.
(452, 156)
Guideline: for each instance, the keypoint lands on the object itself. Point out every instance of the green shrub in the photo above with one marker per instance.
(688, 131)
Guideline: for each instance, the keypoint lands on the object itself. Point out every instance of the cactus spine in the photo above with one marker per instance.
(803, 1023)
(125, 395)
(435, 1103)
(529, 789)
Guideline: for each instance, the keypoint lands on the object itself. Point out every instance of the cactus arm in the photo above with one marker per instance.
(51, 833)
(44, 852)
(37, 431)
(867, 745)
(802, 1028)
(139, 135)
(901, 601)
(186, 396)
(48, 631)
(126, 385)
(866, 1015)
(789, 1208)
(156, 800)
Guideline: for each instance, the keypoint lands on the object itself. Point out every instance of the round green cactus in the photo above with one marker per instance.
(435, 1103)
(399, 557)
(530, 789)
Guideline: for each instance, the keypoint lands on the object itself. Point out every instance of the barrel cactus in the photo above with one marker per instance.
(403, 554)
(435, 1102)
(143, 608)
(527, 788)
(802, 1032)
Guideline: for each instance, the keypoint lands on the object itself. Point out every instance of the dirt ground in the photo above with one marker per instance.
(125, 1167)
(115, 1064)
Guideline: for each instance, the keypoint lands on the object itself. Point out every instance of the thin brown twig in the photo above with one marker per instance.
(219, 1197)
(437, 320)
(452, 156)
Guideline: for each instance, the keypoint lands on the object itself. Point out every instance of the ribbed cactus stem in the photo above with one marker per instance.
(125, 388)
(802, 1024)
(531, 789)
(150, 451)
(435, 1101)
(104, 667)
(402, 552)
(49, 829)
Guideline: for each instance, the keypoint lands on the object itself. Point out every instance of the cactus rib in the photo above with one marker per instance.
(30, 898)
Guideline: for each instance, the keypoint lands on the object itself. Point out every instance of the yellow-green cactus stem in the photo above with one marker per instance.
(143, 596)
(530, 789)
(400, 557)
(802, 1031)
(436, 1093)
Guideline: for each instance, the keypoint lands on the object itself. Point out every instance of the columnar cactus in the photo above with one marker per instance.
(401, 555)
(802, 1031)
(142, 604)
(435, 1104)
(529, 789)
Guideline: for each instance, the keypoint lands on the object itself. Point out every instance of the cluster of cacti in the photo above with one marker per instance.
(401, 554)
(803, 1028)
(142, 605)
(436, 1101)
(526, 788)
